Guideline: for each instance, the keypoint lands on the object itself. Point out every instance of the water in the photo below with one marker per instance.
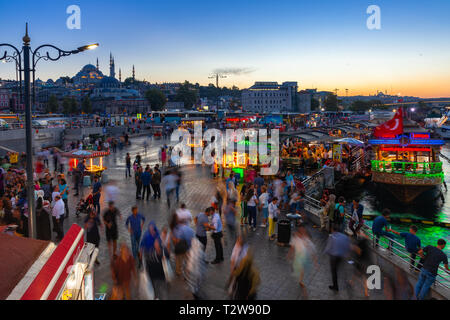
(424, 208)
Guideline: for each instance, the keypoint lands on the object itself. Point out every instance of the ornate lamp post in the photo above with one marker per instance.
(17, 56)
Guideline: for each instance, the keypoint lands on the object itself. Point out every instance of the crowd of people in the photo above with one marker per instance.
(239, 207)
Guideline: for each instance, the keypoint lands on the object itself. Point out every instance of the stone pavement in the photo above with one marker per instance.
(277, 282)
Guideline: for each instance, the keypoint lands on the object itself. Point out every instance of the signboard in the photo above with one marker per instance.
(337, 152)
(14, 158)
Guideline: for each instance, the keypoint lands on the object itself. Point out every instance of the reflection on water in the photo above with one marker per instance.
(429, 206)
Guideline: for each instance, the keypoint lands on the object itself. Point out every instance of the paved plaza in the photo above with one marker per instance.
(198, 187)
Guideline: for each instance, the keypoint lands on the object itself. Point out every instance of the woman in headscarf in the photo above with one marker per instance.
(42, 220)
(152, 252)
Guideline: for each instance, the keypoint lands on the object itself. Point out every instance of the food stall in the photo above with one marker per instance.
(42, 270)
(89, 156)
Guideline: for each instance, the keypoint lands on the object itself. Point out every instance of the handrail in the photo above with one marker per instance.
(399, 250)
(404, 167)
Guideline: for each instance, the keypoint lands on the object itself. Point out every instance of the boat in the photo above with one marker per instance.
(407, 164)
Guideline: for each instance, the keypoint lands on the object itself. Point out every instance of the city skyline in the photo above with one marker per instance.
(292, 41)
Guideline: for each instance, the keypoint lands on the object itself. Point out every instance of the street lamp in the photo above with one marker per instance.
(24, 55)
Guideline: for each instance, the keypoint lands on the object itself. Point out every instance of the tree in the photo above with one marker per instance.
(156, 99)
(52, 105)
(73, 106)
(187, 94)
(331, 103)
(66, 106)
(86, 105)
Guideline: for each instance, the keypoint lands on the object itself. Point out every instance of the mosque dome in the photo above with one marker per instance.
(109, 82)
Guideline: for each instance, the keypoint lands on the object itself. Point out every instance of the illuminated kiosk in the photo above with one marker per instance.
(242, 163)
(89, 156)
(407, 165)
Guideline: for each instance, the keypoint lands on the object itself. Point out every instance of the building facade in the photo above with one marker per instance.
(267, 97)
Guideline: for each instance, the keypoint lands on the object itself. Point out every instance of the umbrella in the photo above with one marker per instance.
(351, 141)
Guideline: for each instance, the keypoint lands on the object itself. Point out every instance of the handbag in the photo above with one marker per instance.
(168, 272)
(146, 291)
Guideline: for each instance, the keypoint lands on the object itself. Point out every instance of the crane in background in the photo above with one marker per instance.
(217, 76)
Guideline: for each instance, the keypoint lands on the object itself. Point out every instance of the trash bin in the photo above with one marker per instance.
(284, 232)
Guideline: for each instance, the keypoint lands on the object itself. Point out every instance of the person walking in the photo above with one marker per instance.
(138, 181)
(433, 257)
(42, 221)
(135, 224)
(263, 201)
(128, 166)
(170, 181)
(251, 206)
(153, 253)
(216, 226)
(338, 247)
(92, 224)
(58, 216)
(96, 194)
(273, 217)
(123, 270)
(64, 191)
(156, 183)
(357, 210)
(110, 220)
(202, 225)
(182, 236)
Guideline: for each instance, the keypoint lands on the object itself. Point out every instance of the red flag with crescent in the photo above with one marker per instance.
(392, 127)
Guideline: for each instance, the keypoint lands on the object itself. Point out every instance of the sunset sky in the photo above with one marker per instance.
(322, 44)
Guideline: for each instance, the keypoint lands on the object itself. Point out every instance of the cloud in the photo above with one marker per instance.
(233, 71)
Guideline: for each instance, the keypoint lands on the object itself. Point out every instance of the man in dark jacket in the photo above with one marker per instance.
(138, 181)
(146, 178)
(156, 183)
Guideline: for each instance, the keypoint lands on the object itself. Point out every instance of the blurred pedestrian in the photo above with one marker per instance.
(135, 224)
(110, 220)
(123, 270)
(338, 247)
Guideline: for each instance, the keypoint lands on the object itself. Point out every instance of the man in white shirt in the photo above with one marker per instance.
(184, 215)
(58, 216)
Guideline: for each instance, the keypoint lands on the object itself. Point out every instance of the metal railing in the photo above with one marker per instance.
(424, 168)
(398, 250)
(394, 247)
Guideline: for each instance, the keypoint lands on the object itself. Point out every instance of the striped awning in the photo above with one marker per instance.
(46, 278)
(85, 154)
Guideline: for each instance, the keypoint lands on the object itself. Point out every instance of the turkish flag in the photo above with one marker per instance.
(392, 127)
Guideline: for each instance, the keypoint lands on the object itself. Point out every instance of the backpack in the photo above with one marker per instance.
(337, 215)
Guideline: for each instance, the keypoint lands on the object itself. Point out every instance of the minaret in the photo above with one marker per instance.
(120, 75)
(97, 65)
(134, 74)
(112, 67)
